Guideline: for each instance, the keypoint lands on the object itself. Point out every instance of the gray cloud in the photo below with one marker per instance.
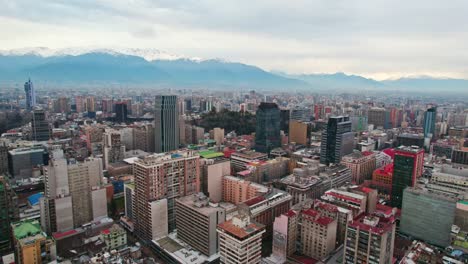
(372, 37)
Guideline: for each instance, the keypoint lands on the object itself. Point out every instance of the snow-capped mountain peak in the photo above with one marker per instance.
(149, 54)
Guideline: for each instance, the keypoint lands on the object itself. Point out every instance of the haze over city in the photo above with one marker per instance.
(233, 132)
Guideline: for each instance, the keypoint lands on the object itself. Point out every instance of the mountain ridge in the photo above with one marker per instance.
(155, 67)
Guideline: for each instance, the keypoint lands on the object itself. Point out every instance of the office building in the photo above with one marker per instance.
(301, 114)
(318, 234)
(162, 176)
(361, 164)
(379, 117)
(196, 221)
(218, 135)
(240, 241)
(428, 215)
(312, 180)
(121, 112)
(299, 132)
(114, 149)
(408, 166)
(31, 244)
(3, 157)
(241, 159)
(267, 133)
(359, 123)
(30, 95)
(429, 122)
(26, 162)
(90, 105)
(460, 156)
(166, 121)
(337, 140)
(40, 128)
(73, 194)
(369, 239)
(8, 214)
(129, 198)
(407, 139)
(284, 120)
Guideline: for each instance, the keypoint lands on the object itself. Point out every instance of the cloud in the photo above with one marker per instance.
(376, 38)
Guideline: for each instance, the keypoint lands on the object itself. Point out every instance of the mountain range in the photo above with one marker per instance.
(151, 67)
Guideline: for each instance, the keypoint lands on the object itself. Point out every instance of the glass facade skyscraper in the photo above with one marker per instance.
(429, 122)
(337, 140)
(267, 134)
(166, 121)
(30, 95)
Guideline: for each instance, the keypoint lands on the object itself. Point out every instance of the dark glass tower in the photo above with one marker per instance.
(267, 134)
(166, 121)
(337, 140)
(40, 126)
(408, 165)
(30, 95)
(121, 112)
(429, 122)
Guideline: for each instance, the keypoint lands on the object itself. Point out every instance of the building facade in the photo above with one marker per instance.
(267, 134)
(337, 140)
(166, 121)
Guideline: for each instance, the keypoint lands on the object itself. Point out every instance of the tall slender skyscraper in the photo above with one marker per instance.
(30, 95)
(267, 134)
(337, 140)
(166, 121)
(429, 122)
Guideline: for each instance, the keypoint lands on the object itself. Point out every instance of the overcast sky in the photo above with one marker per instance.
(374, 38)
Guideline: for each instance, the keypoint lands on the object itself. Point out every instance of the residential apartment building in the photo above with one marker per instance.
(162, 176)
(240, 241)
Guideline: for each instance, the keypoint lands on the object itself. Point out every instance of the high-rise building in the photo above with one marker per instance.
(114, 150)
(237, 190)
(90, 104)
(121, 112)
(3, 157)
(379, 117)
(318, 234)
(8, 214)
(40, 126)
(267, 134)
(212, 171)
(369, 239)
(337, 140)
(80, 104)
(73, 195)
(196, 222)
(162, 176)
(166, 121)
(30, 95)
(299, 132)
(240, 241)
(218, 135)
(428, 215)
(429, 122)
(408, 166)
(284, 120)
(32, 246)
(285, 235)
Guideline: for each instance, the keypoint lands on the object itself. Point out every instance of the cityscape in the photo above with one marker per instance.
(141, 156)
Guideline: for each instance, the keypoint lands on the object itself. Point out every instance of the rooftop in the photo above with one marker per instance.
(373, 224)
(25, 229)
(241, 232)
(210, 154)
